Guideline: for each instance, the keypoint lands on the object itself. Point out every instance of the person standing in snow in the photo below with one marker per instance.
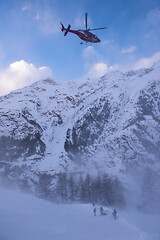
(101, 209)
(102, 212)
(114, 213)
(94, 210)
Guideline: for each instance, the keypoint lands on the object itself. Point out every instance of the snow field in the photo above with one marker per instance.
(25, 217)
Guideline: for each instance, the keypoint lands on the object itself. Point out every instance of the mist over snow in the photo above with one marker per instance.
(26, 217)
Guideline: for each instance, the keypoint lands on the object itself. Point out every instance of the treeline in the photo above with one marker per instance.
(68, 187)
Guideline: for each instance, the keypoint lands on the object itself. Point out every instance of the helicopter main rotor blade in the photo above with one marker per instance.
(97, 29)
(86, 20)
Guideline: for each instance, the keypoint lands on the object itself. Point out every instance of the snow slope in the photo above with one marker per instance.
(24, 217)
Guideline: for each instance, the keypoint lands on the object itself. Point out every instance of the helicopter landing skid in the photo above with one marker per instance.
(85, 43)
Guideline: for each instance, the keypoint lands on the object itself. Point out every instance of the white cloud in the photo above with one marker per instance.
(147, 62)
(154, 16)
(131, 49)
(98, 70)
(106, 42)
(46, 17)
(139, 64)
(94, 64)
(48, 21)
(25, 8)
(20, 74)
(89, 53)
(80, 21)
(37, 16)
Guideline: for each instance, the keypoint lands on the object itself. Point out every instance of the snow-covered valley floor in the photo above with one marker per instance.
(25, 217)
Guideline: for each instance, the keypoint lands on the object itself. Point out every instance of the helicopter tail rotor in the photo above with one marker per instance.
(67, 30)
(64, 29)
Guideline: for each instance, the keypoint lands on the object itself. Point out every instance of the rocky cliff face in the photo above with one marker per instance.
(107, 125)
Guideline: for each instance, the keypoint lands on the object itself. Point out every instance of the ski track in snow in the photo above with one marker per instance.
(24, 217)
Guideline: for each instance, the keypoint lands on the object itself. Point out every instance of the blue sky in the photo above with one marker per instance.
(30, 38)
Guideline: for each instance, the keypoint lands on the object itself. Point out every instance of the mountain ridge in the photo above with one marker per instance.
(108, 125)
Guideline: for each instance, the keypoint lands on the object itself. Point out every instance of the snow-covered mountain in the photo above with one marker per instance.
(111, 125)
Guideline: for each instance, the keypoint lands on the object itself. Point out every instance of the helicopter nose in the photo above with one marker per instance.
(98, 40)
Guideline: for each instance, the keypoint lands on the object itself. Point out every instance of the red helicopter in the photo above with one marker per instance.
(85, 35)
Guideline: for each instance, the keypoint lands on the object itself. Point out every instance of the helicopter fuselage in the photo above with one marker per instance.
(86, 35)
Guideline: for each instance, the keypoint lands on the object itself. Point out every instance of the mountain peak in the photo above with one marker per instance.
(106, 125)
(156, 64)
